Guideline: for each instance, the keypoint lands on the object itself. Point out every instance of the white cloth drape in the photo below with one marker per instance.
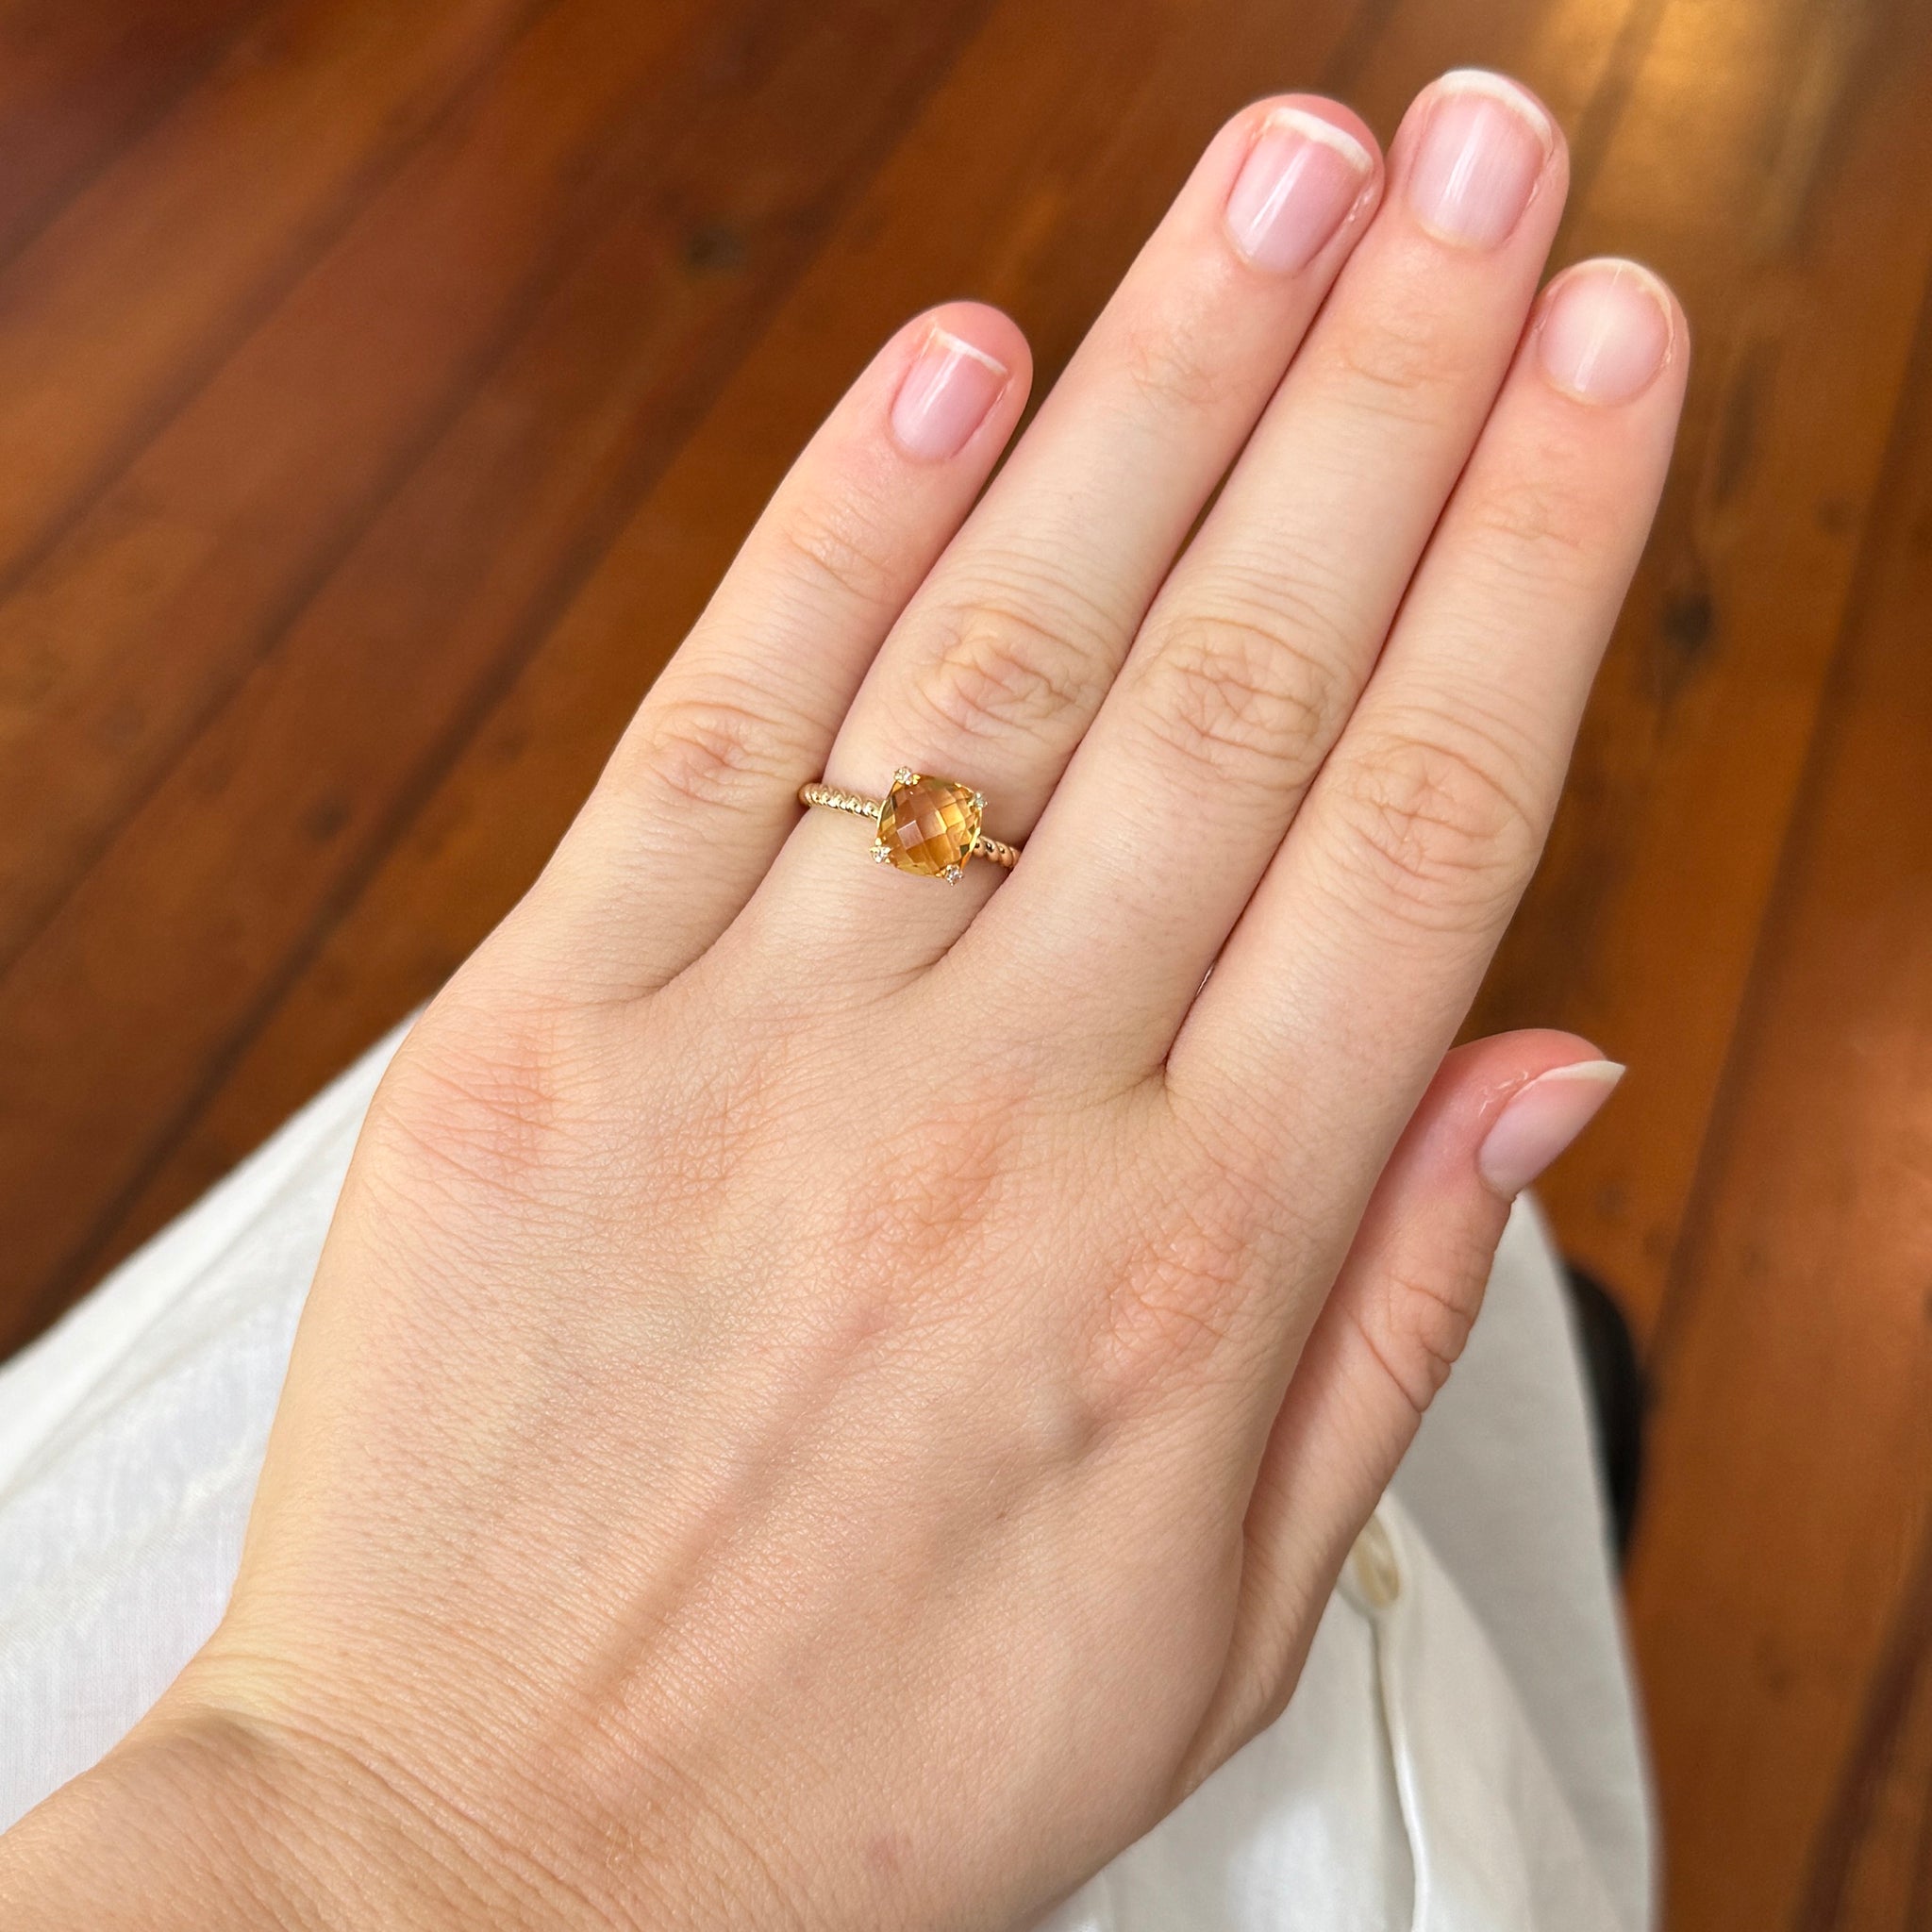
(1462, 1754)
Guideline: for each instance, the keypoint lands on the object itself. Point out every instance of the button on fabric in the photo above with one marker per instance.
(1374, 1567)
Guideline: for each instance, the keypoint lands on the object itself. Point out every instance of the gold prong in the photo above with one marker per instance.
(969, 810)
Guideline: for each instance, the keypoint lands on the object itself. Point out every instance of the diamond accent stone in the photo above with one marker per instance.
(928, 826)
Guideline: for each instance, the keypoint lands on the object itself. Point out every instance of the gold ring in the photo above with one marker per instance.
(927, 825)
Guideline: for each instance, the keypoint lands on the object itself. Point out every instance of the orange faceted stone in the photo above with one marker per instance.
(928, 826)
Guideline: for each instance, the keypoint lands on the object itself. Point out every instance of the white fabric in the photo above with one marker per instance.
(1461, 1755)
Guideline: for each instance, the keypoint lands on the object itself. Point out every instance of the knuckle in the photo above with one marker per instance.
(1171, 361)
(713, 745)
(1416, 1323)
(917, 1213)
(1434, 826)
(838, 546)
(476, 1098)
(1394, 361)
(1177, 1302)
(1535, 527)
(1169, 1316)
(1232, 689)
(997, 670)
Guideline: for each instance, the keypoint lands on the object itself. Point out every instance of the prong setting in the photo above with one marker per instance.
(929, 826)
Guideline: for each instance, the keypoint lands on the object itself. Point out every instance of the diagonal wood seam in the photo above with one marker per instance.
(149, 423)
(1775, 929)
(1899, 1677)
(539, 288)
(194, 70)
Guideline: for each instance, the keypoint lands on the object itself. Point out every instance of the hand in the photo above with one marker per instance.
(834, 1399)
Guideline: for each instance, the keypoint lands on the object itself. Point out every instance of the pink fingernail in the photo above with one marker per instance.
(1300, 179)
(1484, 146)
(1543, 1116)
(1605, 332)
(944, 396)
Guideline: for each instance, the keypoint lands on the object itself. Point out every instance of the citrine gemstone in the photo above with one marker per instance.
(928, 826)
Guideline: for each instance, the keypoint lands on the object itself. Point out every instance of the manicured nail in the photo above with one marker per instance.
(1483, 149)
(1543, 1116)
(944, 396)
(1605, 332)
(1300, 179)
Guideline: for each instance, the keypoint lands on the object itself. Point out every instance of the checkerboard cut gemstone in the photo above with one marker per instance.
(928, 826)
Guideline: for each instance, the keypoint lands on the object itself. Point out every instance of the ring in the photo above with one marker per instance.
(927, 825)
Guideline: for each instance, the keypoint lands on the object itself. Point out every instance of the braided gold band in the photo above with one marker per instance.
(841, 801)
(924, 825)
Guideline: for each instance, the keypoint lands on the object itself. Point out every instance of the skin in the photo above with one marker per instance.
(832, 1400)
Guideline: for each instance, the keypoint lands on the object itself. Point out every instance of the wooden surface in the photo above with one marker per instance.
(382, 387)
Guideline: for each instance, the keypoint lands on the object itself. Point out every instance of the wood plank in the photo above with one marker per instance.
(1781, 1594)
(302, 772)
(79, 82)
(1759, 166)
(1869, 1863)
(1033, 218)
(151, 609)
(116, 310)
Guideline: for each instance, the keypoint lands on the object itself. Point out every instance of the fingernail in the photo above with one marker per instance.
(1483, 149)
(944, 396)
(1606, 331)
(1541, 1119)
(1300, 179)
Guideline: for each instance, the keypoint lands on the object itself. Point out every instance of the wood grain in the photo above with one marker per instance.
(162, 593)
(1782, 1594)
(1869, 1864)
(382, 389)
(78, 84)
(1800, 264)
(415, 626)
(124, 302)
